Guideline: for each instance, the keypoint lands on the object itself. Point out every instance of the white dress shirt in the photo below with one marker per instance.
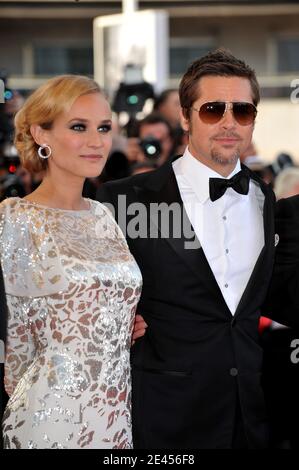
(230, 229)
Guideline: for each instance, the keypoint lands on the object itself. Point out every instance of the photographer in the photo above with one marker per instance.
(153, 142)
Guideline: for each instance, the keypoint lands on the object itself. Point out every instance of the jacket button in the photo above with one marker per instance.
(233, 372)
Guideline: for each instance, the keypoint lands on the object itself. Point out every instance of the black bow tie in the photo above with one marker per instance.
(239, 182)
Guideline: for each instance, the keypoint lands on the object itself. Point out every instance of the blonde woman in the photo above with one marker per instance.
(72, 285)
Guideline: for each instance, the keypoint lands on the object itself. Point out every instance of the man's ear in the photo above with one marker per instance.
(38, 134)
(184, 121)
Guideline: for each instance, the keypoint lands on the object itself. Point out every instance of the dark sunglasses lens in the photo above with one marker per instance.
(210, 113)
(244, 113)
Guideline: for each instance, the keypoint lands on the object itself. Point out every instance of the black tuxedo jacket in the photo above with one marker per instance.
(196, 359)
(282, 302)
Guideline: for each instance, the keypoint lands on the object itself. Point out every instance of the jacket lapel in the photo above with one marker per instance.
(263, 266)
(162, 189)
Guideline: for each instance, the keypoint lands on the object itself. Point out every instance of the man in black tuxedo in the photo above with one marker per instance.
(206, 261)
(281, 345)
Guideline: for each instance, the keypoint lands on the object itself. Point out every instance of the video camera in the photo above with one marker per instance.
(133, 91)
(151, 147)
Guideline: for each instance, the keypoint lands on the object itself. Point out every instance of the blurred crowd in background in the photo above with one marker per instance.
(142, 141)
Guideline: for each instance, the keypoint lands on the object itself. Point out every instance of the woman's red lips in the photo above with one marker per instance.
(92, 156)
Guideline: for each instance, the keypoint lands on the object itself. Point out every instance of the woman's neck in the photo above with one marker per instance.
(67, 196)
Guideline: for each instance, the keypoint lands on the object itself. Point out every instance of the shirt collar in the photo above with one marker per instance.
(197, 174)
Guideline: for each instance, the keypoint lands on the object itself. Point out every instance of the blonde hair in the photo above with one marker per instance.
(52, 98)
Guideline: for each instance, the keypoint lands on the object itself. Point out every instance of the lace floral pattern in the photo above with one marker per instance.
(72, 288)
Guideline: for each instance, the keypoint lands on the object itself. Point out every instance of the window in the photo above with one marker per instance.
(288, 54)
(183, 51)
(53, 60)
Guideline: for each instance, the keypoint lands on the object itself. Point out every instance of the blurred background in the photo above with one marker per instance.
(39, 39)
(137, 50)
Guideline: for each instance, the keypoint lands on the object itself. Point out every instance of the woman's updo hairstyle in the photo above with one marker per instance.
(51, 99)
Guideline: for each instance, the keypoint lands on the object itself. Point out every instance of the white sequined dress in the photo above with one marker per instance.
(72, 288)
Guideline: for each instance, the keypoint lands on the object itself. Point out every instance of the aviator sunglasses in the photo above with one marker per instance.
(213, 112)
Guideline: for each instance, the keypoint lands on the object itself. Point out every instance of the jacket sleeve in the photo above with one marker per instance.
(32, 270)
(282, 302)
(20, 347)
(19, 344)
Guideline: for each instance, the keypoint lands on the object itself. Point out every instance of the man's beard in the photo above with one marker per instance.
(220, 159)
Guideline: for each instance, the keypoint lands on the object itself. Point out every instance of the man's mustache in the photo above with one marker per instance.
(227, 135)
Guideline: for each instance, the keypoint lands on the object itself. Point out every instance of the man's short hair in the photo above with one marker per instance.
(216, 63)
